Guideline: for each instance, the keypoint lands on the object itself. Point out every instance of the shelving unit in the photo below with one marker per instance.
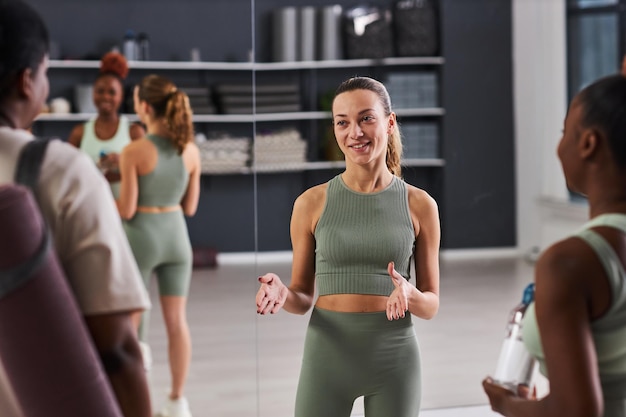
(257, 66)
(307, 71)
(242, 118)
(473, 182)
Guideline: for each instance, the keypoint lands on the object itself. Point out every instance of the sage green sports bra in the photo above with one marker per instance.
(358, 234)
(609, 331)
(166, 184)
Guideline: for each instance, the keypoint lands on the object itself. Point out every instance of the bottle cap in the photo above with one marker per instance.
(529, 294)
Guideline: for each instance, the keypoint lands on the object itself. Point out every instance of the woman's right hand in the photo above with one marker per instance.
(110, 161)
(272, 295)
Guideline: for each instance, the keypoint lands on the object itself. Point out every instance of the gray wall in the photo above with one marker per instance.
(220, 28)
(479, 180)
(475, 189)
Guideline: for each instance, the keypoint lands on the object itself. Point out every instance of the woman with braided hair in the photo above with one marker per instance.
(160, 185)
(104, 136)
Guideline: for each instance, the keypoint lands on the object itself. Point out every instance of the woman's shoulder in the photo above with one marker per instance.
(191, 157)
(420, 199)
(314, 193)
(76, 135)
(569, 247)
(191, 148)
(139, 142)
(79, 128)
(312, 198)
(135, 130)
(138, 146)
(570, 258)
(65, 162)
(309, 205)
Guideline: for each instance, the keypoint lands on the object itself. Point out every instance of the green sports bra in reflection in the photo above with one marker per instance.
(166, 185)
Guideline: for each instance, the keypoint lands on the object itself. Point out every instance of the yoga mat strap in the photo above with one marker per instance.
(13, 278)
(29, 163)
(27, 174)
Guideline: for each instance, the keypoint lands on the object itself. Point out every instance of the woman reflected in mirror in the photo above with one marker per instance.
(160, 186)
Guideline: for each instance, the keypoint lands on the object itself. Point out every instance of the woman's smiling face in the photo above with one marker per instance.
(361, 126)
(108, 94)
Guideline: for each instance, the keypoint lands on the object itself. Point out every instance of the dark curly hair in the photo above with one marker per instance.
(114, 64)
(24, 41)
(604, 108)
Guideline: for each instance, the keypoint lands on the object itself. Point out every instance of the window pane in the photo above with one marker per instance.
(593, 48)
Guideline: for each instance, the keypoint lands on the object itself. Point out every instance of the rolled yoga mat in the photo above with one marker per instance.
(285, 34)
(330, 42)
(45, 347)
(306, 33)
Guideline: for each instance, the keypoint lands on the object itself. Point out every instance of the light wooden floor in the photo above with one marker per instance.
(247, 365)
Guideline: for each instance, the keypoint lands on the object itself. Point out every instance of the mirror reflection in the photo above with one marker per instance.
(86, 96)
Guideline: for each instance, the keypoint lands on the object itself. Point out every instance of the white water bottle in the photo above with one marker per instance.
(515, 364)
(129, 45)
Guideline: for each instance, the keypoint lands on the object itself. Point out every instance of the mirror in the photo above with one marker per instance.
(187, 45)
(244, 364)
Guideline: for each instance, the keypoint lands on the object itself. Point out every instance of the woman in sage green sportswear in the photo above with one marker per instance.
(576, 328)
(355, 238)
(160, 185)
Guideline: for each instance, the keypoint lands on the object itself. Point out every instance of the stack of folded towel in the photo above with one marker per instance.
(200, 99)
(223, 154)
(279, 150)
(270, 98)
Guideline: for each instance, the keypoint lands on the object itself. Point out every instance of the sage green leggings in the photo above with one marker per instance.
(160, 243)
(349, 355)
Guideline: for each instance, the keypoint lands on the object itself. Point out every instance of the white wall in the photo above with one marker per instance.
(544, 214)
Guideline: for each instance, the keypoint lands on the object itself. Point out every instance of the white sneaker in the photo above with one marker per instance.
(175, 408)
(146, 354)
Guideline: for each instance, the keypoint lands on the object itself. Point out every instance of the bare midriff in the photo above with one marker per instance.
(156, 210)
(353, 303)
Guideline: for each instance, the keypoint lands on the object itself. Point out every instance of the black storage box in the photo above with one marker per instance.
(368, 33)
(416, 27)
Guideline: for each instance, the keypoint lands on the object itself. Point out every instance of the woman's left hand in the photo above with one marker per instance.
(111, 160)
(111, 164)
(398, 302)
(498, 395)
